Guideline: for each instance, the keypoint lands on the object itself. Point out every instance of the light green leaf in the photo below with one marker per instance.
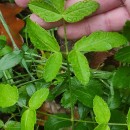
(123, 55)
(102, 127)
(10, 60)
(80, 66)
(100, 41)
(12, 125)
(101, 110)
(59, 5)
(8, 95)
(38, 98)
(56, 122)
(79, 10)
(128, 120)
(1, 123)
(40, 38)
(28, 120)
(45, 10)
(52, 66)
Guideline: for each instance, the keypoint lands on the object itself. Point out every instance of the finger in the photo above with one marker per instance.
(110, 21)
(22, 3)
(44, 24)
(105, 5)
(127, 5)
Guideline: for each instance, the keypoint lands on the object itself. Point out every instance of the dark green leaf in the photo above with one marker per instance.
(38, 98)
(46, 11)
(28, 120)
(10, 60)
(100, 41)
(8, 95)
(128, 119)
(80, 66)
(121, 78)
(79, 10)
(114, 101)
(101, 110)
(40, 38)
(126, 30)
(12, 125)
(2, 41)
(68, 99)
(30, 88)
(52, 66)
(123, 55)
(56, 122)
(81, 126)
(102, 127)
(86, 94)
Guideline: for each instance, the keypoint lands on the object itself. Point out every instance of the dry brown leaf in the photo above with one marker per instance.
(9, 12)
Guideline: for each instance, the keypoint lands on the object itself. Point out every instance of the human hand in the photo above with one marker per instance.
(111, 16)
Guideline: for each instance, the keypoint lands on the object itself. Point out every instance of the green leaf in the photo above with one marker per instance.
(68, 99)
(100, 41)
(52, 66)
(28, 120)
(40, 38)
(123, 55)
(79, 10)
(80, 66)
(38, 98)
(8, 95)
(101, 110)
(2, 41)
(121, 120)
(45, 10)
(56, 122)
(30, 88)
(102, 127)
(5, 50)
(128, 120)
(1, 123)
(86, 94)
(126, 30)
(121, 78)
(10, 60)
(59, 5)
(12, 125)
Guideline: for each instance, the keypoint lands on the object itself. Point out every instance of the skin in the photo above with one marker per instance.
(111, 16)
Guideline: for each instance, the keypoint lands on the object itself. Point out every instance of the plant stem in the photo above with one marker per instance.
(8, 31)
(69, 72)
(65, 37)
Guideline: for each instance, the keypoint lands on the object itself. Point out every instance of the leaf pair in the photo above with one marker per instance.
(42, 40)
(28, 119)
(54, 10)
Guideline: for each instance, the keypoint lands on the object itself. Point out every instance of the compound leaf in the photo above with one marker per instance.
(102, 127)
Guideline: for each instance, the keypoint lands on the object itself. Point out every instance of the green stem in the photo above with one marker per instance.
(8, 31)
(69, 72)
(65, 37)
